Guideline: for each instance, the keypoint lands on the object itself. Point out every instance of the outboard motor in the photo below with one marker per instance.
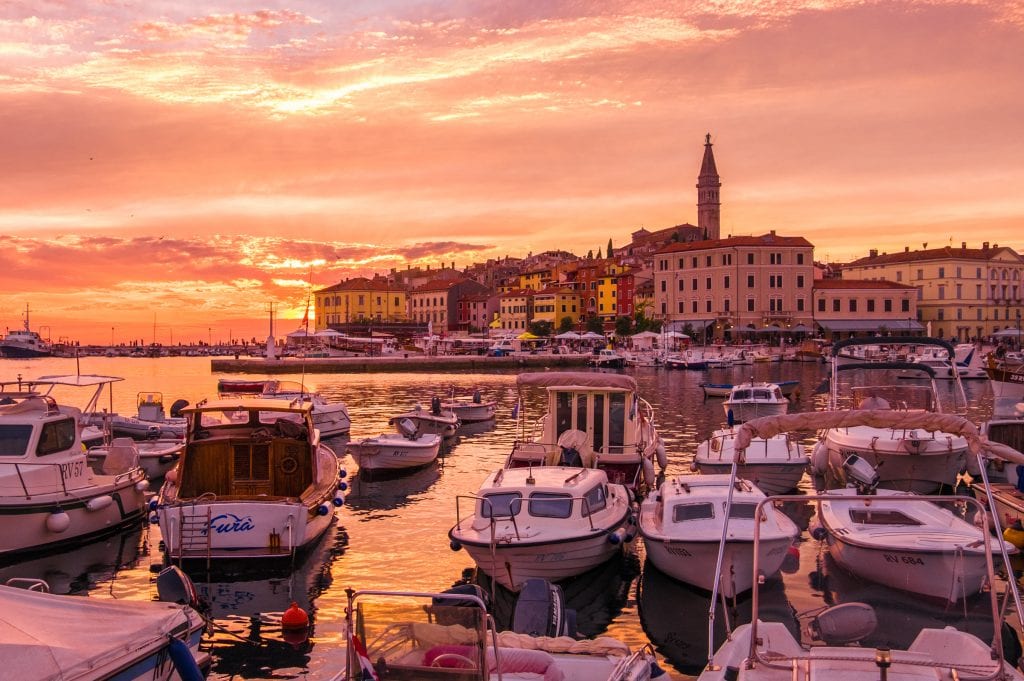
(407, 428)
(540, 610)
(177, 407)
(435, 406)
(862, 473)
(477, 398)
(450, 611)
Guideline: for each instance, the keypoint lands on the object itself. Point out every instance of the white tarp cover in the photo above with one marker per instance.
(953, 424)
(46, 636)
(581, 379)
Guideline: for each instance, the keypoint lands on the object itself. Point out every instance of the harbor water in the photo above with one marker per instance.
(392, 533)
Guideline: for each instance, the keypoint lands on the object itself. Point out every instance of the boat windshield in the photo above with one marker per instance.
(240, 417)
(742, 511)
(14, 439)
(684, 512)
(550, 505)
(881, 517)
(901, 397)
(500, 505)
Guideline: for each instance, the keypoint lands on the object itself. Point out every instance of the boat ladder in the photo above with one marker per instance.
(193, 532)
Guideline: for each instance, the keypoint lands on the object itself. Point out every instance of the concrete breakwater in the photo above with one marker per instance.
(392, 363)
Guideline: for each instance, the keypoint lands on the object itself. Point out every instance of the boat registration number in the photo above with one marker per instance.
(72, 469)
(902, 560)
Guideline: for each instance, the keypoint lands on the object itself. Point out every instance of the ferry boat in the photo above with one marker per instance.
(24, 343)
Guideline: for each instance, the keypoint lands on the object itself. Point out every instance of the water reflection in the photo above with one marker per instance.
(387, 491)
(675, 616)
(84, 568)
(597, 596)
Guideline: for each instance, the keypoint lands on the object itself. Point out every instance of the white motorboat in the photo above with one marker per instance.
(682, 526)
(606, 358)
(775, 464)
(151, 420)
(433, 421)
(907, 458)
(24, 343)
(594, 420)
(768, 651)
(549, 522)
(405, 450)
(50, 494)
(251, 482)
(968, 360)
(434, 636)
(473, 409)
(155, 456)
(330, 418)
(913, 546)
(51, 636)
(752, 400)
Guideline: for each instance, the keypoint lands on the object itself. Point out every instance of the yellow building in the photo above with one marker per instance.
(360, 299)
(554, 304)
(516, 310)
(961, 292)
(535, 280)
(607, 294)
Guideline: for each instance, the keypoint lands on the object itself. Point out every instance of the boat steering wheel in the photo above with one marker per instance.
(453, 657)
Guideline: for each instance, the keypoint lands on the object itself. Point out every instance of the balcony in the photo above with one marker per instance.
(778, 316)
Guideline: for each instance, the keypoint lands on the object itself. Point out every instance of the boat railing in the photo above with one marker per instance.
(790, 662)
(717, 447)
(34, 487)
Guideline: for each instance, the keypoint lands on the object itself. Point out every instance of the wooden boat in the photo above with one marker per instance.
(254, 481)
(594, 420)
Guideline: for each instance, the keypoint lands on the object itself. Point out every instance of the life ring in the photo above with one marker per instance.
(289, 465)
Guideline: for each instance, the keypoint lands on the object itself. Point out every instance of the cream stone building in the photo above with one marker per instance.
(735, 285)
(962, 292)
(850, 307)
(360, 299)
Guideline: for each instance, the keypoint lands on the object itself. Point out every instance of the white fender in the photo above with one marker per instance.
(662, 456)
(819, 458)
(99, 503)
(649, 477)
(58, 522)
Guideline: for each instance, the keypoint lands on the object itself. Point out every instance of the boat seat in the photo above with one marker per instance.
(122, 456)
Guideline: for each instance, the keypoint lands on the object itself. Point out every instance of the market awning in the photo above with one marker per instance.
(893, 325)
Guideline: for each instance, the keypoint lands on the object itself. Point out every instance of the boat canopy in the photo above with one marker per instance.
(954, 424)
(896, 366)
(576, 379)
(32, 646)
(249, 404)
(78, 380)
(895, 340)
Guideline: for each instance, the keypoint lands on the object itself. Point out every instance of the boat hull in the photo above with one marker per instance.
(241, 529)
(693, 562)
(331, 419)
(91, 513)
(747, 411)
(936, 462)
(17, 352)
(770, 478)
(944, 575)
(471, 412)
(395, 452)
(513, 563)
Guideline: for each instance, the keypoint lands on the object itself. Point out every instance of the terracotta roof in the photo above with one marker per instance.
(708, 171)
(765, 240)
(438, 285)
(944, 253)
(557, 289)
(362, 284)
(518, 293)
(833, 284)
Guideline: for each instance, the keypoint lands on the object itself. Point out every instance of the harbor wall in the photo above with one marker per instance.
(355, 365)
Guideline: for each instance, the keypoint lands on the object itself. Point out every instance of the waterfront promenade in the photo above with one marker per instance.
(404, 362)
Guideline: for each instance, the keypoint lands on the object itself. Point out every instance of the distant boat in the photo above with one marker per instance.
(24, 343)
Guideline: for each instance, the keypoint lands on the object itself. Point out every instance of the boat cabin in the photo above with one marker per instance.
(896, 397)
(696, 504)
(552, 493)
(756, 393)
(35, 427)
(247, 448)
(151, 406)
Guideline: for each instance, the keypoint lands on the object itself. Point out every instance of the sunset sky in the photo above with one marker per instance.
(190, 162)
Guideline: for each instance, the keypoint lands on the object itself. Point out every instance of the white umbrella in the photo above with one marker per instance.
(645, 334)
(1008, 333)
(590, 335)
(675, 334)
(300, 333)
(568, 335)
(328, 333)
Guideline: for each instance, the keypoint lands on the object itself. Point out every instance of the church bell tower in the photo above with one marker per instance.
(709, 206)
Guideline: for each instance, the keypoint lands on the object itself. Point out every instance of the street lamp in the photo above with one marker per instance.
(111, 336)
(209, 337)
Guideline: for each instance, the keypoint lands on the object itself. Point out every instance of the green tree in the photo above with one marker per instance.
(541, 328)
(595, 324)
(590, 254)
(623, 326)
(608, 251)
(565, 324)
